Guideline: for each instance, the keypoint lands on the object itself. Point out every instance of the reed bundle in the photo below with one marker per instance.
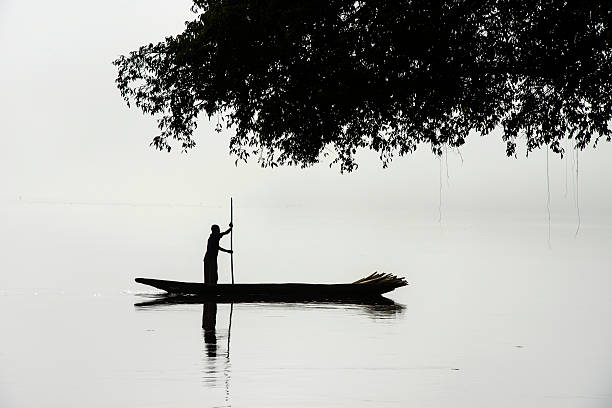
(383, 279)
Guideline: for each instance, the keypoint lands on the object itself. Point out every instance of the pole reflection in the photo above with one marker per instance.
(213, 358)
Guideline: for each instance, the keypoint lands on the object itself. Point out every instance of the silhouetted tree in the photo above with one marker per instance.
(296, 79)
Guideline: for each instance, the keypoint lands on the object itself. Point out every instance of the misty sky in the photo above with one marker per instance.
(476, 295)
(67, 136)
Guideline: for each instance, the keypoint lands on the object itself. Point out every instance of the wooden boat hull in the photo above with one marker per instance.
(371, 287)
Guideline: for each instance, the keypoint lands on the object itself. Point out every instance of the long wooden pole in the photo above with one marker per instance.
(232, 237)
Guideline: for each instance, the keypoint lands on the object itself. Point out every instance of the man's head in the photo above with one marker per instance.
(215, 229)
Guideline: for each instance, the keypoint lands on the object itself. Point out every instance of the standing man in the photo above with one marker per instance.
(212, 250)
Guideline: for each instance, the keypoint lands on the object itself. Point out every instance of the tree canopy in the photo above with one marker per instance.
(296, 80)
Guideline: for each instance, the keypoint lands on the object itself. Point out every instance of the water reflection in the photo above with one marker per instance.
(378, 308)
(209, 324)
(216, 368)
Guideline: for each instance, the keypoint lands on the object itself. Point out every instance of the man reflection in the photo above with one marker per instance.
(209, 323)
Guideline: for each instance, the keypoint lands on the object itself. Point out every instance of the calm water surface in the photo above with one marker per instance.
(493, 317)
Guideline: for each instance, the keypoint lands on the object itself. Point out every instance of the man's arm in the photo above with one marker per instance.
(229, 251)
(228, 230)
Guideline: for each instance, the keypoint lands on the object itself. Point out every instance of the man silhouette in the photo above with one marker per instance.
(212, 250)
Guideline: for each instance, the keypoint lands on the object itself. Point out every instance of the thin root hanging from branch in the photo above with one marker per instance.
(577, 196)
(440, 193)
(548, 194)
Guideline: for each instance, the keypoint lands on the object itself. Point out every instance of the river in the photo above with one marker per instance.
(493, 315)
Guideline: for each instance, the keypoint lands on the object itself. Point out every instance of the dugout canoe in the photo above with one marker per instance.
(372, 286)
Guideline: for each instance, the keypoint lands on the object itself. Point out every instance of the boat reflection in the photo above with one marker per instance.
(216, 363)
(378, 308)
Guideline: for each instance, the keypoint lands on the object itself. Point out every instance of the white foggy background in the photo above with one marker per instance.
(75, 160)
(67, 136)
(86, 205)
